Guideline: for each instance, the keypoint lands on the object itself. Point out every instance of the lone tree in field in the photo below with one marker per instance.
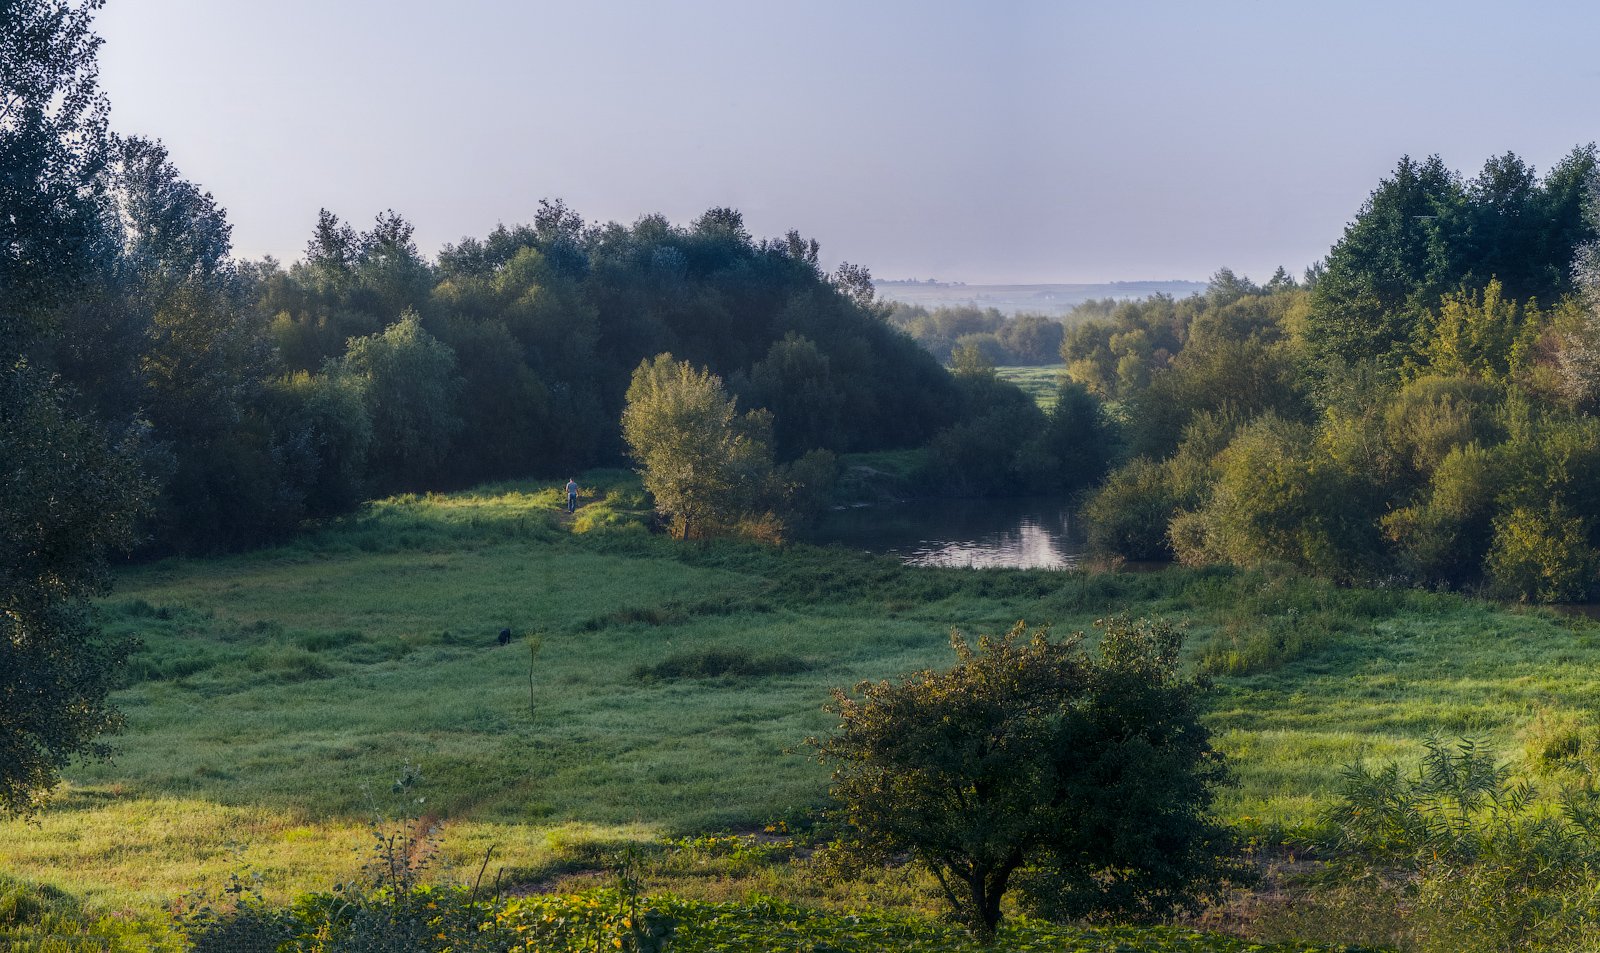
(1083, 780)
(706, 465)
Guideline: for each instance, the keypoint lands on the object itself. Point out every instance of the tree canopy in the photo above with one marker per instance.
(73, 489)
(1081, 778)
(706, 465)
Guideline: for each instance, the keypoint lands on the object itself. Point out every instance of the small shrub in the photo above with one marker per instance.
(1562, 743)
(1244, 646)
(1083, 780)
(238, 922)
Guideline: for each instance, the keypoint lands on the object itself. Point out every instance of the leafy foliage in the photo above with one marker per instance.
(73, 489)
(72, 495)
(1412, 414)
(706, 465)
(1084, 779)
(1494, 868)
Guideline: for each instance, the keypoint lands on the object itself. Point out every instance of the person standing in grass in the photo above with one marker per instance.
(572, 495)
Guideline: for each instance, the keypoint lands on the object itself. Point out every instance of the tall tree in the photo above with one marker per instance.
(1394, 261)
(70, 495)
(706, 465)
(70, 492)
(52, 150)
(1579, 358)
(409, 382)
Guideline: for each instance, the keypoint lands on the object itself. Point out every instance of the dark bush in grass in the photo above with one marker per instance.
(1084, 780)
(675, 612)
(148, 667)
(1128, 515)
(721, 663)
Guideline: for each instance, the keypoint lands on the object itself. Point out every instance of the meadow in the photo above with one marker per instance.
(1039, 382)
(282, 699)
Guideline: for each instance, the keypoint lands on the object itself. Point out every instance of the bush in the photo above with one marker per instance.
(1128, 516)
(1432, 416)
(1277, 500)
(1493, 868)
(1082, 779)
(1542, 556)
(1076, 447)
(389, 910)
(721, 663)
(1444, 538)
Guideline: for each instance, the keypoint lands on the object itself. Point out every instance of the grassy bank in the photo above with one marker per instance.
(283, 698)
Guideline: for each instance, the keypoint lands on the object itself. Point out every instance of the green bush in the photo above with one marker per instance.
(1444, 538)
(1431, 416)
(1081, 779)
(1542, 556)
(1493, 867)
(1128, 516)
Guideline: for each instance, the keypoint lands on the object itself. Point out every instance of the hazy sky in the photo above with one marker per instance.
(977, 141)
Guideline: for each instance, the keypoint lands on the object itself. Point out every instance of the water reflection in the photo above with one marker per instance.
(1031, 533)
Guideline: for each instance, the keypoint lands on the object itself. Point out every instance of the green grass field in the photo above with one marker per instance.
(284, 698)
(1037, 382)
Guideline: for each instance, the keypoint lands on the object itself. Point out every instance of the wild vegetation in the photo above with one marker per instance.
(1082, 781)
(160, 396)
(284, 698)
(1024, 339)
(1417, 413)
(1418, 410)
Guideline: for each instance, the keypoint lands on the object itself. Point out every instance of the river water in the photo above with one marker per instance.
(1022, 533)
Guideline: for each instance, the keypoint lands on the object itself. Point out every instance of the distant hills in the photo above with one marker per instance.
(1035, 299)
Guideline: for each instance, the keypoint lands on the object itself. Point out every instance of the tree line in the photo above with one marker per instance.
(1420, 407)
(1020, 341)
(256, 395)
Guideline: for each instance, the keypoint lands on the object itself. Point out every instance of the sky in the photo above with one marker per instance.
(986, 142)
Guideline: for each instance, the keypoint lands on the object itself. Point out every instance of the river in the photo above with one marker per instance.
(1019, 533)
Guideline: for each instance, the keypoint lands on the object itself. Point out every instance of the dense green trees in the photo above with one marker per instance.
(1415, 413)
(267, 394)
(1083, 779)
(408, 386)
(1425, 233)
